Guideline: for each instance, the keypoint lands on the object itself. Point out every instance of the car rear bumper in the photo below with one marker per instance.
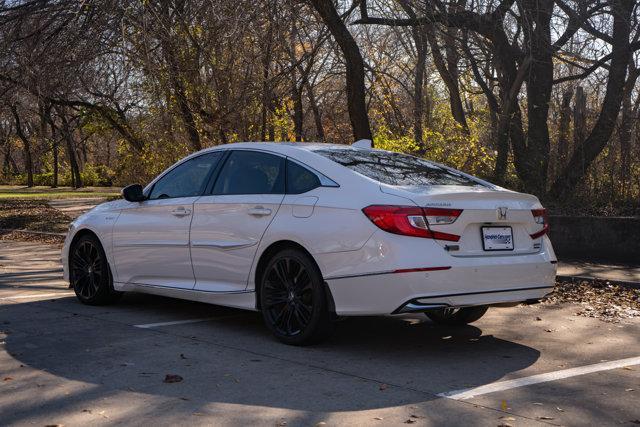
(439, 280)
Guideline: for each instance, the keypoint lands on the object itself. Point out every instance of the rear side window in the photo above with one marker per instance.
(300, 179)
(187, 179)
(251, 172)
(395, 168)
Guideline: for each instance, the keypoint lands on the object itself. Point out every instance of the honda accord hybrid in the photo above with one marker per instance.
(309, 233)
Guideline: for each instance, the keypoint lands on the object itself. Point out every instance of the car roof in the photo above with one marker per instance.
(282, 147)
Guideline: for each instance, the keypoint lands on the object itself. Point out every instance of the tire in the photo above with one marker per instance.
(457, 316)
(293, 300)
(90, 274)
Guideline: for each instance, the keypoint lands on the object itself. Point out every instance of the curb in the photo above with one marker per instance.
(42, 233)
(572, 279)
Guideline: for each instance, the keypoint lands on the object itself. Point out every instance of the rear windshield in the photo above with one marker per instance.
(395, 168)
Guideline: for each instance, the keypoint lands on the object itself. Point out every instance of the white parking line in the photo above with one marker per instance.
(57, 294)
(177, 322)
(541, 378)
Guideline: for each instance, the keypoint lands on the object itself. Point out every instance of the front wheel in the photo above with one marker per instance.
(457, 316)
(293, 300)
(90, 274)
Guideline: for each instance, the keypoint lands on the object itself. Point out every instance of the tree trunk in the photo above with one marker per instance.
(539, 85)
(587, 151)
(354, 68)
(76, 178)
(626, 127)
(450, 80)
(317, 115)
(418, 84)
(28, 162)
(564, 128)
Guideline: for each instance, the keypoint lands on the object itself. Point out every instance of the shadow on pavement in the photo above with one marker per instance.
(369, 362)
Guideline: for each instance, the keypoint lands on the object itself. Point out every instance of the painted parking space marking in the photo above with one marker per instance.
(540, 378)
(30, 296)
(176, 322)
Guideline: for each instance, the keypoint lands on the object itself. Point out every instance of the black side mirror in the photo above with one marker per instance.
(133, 193)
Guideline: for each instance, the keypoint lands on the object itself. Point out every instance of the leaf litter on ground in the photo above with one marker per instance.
(600, 299)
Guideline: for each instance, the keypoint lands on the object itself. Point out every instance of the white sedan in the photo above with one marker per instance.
(307, 233)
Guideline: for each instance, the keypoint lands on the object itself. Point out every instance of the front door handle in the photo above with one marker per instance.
(181, 211)
(259, 211)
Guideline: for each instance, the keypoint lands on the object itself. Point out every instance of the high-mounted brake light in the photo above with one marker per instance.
(540, 217)
(412, 220)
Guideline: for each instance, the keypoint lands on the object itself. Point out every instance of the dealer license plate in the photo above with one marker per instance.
(497, 238)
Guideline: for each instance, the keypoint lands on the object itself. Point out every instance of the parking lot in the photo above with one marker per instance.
(65, 363)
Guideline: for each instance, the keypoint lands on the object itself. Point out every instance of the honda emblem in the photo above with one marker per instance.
(502, 212)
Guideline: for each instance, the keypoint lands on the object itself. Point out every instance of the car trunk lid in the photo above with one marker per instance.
(490, 217)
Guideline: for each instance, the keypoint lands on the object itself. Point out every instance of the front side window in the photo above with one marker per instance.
(186, 180)
(395, 168)
(300, 179)
(251, 172)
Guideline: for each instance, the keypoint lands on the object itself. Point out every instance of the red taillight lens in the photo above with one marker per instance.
(540, 217)
(411, 220)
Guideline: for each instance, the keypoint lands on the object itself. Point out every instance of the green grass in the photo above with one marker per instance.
(8, 192)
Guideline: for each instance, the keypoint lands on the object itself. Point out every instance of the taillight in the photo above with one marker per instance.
(412, 220)
(540, 217)
(438, 216)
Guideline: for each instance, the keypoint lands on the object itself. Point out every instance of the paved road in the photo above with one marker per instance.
(65, 363)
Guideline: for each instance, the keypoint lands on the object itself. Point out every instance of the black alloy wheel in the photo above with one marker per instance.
(89, 272)
(293, 299)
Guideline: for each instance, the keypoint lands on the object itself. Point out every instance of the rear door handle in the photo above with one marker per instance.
(181, 211)
(259, 211)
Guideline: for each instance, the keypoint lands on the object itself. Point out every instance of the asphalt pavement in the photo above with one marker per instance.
(65, 363)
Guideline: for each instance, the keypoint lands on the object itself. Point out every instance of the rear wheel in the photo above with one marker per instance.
(90, 274)
(292, 298)
(457, 316)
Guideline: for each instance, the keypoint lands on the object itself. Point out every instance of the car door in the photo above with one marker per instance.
(229, 222)
(151, 238)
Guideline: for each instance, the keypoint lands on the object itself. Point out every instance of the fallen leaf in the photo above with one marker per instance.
(383, 387)
(7, 379)
(87, 410)
(629, 389)
(172, 378)
(410, 421)
(378, 418)
(546, 418)
(627, 368)
(538, 318)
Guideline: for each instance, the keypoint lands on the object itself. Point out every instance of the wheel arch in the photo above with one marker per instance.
(273, 249)
(85, 232)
